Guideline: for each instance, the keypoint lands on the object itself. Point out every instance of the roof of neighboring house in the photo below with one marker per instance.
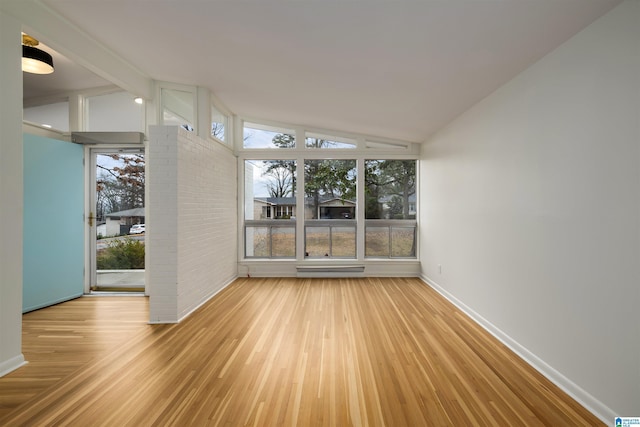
(128, 212)
(337, 199)
(277, 200)
(292, 200)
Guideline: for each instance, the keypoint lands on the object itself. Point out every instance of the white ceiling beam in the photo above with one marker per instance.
(65, 37)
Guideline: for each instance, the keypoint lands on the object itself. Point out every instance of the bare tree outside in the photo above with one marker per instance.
(120, 183)
(282, 173)
(281, 176)
(217, 130)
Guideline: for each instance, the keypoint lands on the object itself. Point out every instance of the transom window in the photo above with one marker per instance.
(316, 140)
(257, 136)
(219, 123)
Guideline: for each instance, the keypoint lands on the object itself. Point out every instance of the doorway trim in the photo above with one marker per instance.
(100, 142)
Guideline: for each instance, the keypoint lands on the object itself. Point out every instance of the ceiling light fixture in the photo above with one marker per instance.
(34, 60)
(138, 100)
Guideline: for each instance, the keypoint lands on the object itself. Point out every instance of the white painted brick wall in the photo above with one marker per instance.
(191, 221)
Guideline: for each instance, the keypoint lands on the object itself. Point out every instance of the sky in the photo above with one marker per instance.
(260, 182)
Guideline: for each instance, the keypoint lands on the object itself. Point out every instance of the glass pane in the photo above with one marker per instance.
(403, 242)
(218, 124)
(376, 242)
(269, 189)
(314, 140)
(330, 189)
(177, 108)
(262, 136)
(120, 186)
(343, 242)
(390, 189)
(317, 242)
(269, 193)
(120, 222)
(283, 242)
(257, 242)
(114, 112)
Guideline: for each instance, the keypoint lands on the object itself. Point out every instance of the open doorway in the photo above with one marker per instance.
(117, 222)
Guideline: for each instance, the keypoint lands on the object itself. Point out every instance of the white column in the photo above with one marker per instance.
(11, 195)
(161, 258)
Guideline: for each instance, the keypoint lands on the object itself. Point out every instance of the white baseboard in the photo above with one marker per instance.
(590, 403)
(12, 364)
(206, 299)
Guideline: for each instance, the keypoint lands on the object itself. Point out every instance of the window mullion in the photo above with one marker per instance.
(300, 220)
(360, 206)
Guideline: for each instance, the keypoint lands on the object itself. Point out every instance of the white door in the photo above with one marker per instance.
(117, 220)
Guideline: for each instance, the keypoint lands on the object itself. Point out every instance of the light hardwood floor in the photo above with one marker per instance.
(330, 352)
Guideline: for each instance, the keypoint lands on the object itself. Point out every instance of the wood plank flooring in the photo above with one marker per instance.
(329, 352)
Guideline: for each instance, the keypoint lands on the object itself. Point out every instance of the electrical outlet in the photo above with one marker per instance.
(440, 268)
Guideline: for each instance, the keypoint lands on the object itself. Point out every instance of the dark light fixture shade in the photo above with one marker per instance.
(36, 61)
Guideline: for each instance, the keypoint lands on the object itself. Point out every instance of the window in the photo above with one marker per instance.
(262, 136)
(390, 239)
(315, 140)
(219, 124)
(270, 207)
(178, 108)
(330, 240)
(319, 220)
(390, 208)
(330, 208)
(270, 240)
(270, 189)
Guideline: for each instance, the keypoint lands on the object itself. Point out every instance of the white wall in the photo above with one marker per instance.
(531, 206)
(115, 111)
(208, 219)
(11, 197)
(191, 221)
(55, 115)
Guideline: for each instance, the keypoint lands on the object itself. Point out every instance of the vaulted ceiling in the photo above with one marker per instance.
(400, 69)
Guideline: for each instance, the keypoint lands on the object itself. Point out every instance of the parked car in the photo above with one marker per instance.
(136, 229)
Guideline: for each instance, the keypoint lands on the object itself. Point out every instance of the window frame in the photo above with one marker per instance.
(398, 150)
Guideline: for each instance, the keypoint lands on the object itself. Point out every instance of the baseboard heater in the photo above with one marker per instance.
(330, 271)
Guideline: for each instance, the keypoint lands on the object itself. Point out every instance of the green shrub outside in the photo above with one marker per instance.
(122, 254)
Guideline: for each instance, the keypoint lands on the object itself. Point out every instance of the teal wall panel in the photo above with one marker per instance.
(53, 264)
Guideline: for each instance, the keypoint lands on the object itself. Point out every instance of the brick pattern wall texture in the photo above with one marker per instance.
(192, 220)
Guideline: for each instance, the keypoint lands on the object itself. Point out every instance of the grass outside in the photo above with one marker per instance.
(341, 242)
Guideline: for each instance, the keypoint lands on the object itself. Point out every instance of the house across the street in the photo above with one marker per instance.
(285, 208)
(120, 222)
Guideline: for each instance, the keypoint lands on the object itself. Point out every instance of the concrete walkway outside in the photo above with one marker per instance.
(120, 280)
